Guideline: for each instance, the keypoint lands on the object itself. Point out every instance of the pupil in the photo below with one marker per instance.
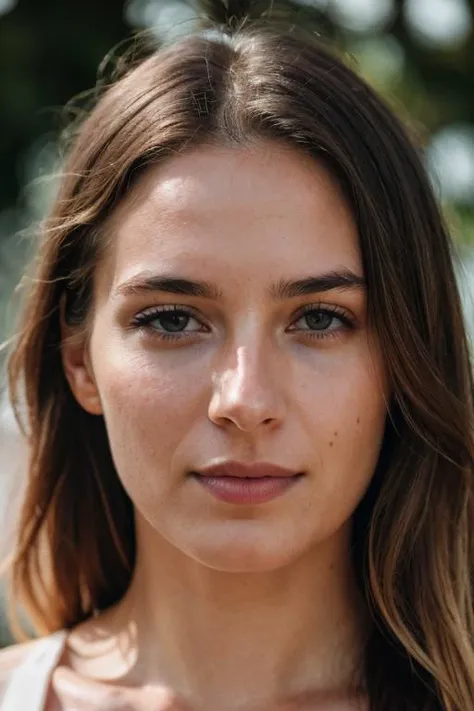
(174, 322)
(319, 320)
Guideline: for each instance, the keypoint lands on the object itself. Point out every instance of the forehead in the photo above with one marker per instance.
(245, 211)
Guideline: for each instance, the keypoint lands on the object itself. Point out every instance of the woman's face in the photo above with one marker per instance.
(253, 372)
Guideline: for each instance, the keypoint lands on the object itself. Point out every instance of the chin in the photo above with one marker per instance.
(243, 554)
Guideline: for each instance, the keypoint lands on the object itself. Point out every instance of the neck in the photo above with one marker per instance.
(254, 638)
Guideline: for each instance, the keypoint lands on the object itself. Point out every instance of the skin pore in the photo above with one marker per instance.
(231, 606)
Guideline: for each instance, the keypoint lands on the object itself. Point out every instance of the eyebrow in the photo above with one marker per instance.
(283, 289)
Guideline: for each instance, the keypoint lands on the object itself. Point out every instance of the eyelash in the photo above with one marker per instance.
(144, 319)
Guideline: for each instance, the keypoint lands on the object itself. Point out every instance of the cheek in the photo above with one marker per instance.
(148, 409)
(355, 415)
(343, 409)
(344, 395)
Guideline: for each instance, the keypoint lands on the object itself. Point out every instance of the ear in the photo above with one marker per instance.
(77, 365)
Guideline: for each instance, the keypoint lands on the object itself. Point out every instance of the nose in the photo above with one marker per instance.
(247, 391)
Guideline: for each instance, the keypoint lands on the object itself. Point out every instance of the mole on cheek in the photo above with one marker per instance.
(331, 443)
(358, 420)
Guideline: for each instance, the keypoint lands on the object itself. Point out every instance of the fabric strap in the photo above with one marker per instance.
(28, 687)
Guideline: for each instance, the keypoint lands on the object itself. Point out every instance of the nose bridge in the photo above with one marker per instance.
(248, 368)
(247, 387)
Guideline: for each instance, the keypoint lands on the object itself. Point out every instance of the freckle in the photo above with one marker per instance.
(335, 433)
(358, 420)
(331, 443)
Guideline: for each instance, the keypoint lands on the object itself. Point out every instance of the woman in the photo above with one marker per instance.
(248, 400)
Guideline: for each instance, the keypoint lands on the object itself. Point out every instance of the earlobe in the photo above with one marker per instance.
(77, 367)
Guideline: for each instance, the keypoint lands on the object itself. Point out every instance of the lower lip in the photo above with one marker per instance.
(237, 490)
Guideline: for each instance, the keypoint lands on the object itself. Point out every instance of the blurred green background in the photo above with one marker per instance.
(418, 53)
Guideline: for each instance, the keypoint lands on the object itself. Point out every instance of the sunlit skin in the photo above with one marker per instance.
(232, 606)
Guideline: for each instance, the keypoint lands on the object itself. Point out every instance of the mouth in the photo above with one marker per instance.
(246, 490)
(245, 470)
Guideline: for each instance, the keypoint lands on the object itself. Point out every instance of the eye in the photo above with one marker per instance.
(168, 322)
(318, 320)
(323, 321)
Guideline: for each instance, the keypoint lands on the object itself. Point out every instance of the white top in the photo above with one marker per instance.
(28, 685)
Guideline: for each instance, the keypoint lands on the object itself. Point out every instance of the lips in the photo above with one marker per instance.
(238, 483)
(247, 471)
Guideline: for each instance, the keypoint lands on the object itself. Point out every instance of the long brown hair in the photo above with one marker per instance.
(413, 532)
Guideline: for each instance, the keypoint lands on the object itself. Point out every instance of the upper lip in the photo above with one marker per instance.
(242, 470)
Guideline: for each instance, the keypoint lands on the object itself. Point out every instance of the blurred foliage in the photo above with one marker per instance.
(49, 51)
